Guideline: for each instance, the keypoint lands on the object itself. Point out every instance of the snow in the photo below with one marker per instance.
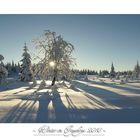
(98, 100)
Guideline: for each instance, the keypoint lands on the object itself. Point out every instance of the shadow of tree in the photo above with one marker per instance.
(19, 113)
(110, 115)
(42, 113)
(26, 112)
(112, 98)
(61, 112)
(16, 84)
(74, 113)
(136, 90)
(21, 91)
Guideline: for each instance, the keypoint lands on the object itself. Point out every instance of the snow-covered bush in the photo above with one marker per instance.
(3, 74)
(118, 76)
(3, 71)
(1, 58)
(42, 84)
(122, 82)
(86, 77)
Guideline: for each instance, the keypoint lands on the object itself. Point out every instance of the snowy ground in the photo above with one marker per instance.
(99, 100)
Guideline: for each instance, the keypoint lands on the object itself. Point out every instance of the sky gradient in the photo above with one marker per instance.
(99, 40)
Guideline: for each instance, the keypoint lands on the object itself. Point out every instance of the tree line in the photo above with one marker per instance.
(54, 59)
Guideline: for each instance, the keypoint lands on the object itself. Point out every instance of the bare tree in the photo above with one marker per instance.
(54, 56)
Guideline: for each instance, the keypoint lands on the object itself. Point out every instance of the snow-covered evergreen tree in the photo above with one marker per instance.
(26, 71)
(1, 59)
(112, 72)
(136, 71)
(3, 71)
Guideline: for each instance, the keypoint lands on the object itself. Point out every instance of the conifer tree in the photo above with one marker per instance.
(136, 72)
(112, 72)
(26, 72)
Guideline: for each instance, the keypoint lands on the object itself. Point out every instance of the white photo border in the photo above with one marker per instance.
(111, 130)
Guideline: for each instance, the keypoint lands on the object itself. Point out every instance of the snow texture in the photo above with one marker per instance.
(92, 101)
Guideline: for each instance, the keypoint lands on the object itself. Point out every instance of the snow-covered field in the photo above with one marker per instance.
(98, 100)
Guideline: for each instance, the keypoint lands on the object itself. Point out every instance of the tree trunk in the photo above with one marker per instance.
(53, 81)
(55, 76)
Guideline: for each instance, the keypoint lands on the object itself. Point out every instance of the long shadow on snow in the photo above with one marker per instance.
(14, 84)
(22, 112)
(107, 96)
(42, 113)
(21, 91)
(61, 112)
(110, 116)
(74, 112)
(137, 91)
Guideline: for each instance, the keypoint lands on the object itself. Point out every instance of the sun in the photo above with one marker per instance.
(52, 64)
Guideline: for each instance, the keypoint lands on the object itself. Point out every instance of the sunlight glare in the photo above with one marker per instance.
(52, 64)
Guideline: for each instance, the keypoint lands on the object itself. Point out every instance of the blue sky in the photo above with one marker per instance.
(99, 40)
